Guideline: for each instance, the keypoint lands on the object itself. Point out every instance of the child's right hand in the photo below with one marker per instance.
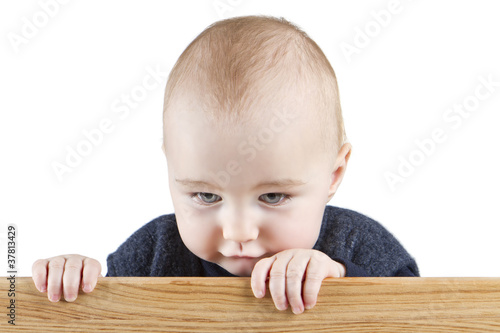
(63, 274)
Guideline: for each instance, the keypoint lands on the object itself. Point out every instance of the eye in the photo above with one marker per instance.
(274, 198)
(207, 198)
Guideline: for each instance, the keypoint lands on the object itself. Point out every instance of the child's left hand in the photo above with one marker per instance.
(287, 270)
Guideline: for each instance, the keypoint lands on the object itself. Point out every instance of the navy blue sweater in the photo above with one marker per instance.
(364, 246)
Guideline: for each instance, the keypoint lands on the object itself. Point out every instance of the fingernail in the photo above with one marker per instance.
(309, 306)
(296, 310)
(43, 289)
(70, 298)
(54, 298)
(281, 307)
(259, 294)
(87, 287)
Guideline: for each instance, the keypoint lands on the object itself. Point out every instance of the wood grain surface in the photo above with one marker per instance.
(170, 304)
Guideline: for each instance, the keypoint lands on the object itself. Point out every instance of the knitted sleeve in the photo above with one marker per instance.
(156, 249)
(134, 256)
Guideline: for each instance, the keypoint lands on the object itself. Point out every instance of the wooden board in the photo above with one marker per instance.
(169, 304)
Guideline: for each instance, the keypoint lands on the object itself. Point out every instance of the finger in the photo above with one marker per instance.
(71, 277)
(294, 275)
(56, 268)
(259, 275)
(91, 271)
(338, 270)
(277, 281)
(39, 274)
(315, 274)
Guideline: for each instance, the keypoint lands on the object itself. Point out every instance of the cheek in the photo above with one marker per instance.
(299, 229)
(198, 233)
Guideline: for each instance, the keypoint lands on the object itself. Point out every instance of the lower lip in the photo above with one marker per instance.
(237, 257)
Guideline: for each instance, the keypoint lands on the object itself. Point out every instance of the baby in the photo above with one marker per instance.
(255, 148)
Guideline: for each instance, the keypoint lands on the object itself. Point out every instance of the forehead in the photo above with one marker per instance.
(281, 141)
(278, 113)
(287, 102)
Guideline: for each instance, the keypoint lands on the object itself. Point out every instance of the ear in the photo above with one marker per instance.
(339, 169)
(163, 148)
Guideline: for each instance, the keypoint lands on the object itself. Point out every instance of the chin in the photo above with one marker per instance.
(240, 267)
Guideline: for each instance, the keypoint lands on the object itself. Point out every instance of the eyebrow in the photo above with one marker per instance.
(195, 183)
(281, 183)
(286, 182)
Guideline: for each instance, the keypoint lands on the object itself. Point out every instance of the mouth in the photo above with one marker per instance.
(257, 255)
(242, 257)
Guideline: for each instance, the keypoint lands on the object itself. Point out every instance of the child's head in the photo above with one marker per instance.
(254, 140)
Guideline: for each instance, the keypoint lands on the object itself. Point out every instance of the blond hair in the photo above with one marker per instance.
(234, 60)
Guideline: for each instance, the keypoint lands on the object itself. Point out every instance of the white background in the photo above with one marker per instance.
(72, 71)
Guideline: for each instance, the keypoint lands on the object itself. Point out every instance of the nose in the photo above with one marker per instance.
(239, 228)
